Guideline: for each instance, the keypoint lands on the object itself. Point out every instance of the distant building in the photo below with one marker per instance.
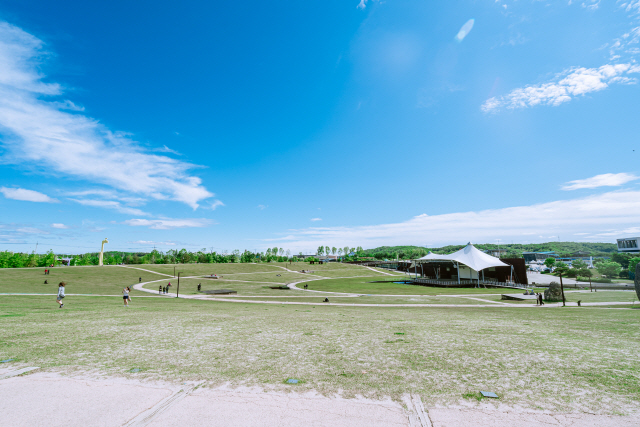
(580, 254)
(538, 256)
(629, 245)
(496, 252)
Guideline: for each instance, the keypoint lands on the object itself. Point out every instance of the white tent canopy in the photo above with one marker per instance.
(469, 256)
(431, 255)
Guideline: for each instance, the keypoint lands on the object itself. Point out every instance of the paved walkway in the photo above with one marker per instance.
(148, 271)
(545, 279)
(48, 398)
(241, 299)
(489, 303)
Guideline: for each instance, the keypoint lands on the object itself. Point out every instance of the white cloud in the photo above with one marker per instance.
(59, 226)
(110, 204)
(316, 219)
(578, 81)
(464, 31)
(39, 131)
(604, 180)
(26, 195)
(363, 4)
(564, 87)
(263, 207)
(31, 230)
(591, 4)
(214, 204)
(167, 223)
(618, 210)
(166, 149)
(109, 194)
(625, 44)
(149, 242)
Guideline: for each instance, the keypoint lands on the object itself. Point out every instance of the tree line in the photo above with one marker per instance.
(10, 259)
(346, 251)
(619, 266)
(563, 249)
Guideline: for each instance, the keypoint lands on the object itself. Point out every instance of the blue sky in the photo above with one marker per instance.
(247, 125)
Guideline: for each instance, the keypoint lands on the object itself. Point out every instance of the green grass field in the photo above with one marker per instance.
(582, 359)
(367, 285)
(91, 280)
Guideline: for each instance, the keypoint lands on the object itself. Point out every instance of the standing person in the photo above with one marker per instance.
(125, 296)
(60, 293)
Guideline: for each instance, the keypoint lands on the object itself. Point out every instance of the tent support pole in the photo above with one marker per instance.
(458, 272)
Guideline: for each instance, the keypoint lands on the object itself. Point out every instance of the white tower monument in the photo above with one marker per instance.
(102, 251)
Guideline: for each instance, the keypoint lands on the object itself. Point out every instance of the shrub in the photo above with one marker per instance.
(572, 272)
(609, 268)
(599, 280)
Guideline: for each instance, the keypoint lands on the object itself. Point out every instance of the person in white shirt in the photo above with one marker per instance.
(60, 293)
(125, 296)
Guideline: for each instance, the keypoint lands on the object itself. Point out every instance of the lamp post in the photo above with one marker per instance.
(178, 289)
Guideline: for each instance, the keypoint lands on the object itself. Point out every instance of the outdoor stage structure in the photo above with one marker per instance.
(468, 267)
(101, 256)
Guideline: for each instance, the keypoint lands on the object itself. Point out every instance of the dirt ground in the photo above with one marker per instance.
(52, 399)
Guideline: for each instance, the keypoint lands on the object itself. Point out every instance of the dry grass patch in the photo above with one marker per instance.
(559, 359)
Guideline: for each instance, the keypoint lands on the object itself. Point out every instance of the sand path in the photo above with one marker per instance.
(48, 398)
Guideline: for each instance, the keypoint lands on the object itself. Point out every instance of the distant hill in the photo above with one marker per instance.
(513, 250)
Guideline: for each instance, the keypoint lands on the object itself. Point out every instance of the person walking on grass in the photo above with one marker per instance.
(125, 296)
(60, 296)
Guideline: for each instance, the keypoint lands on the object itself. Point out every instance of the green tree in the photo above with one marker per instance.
(578, 264)
(560, 264)
(561, 269)
(320, 250)
(184, 256)
(334, 250)
(622, 259)
(327, 250)
(47, 260)
(609, 268)
(572, 272)
(585, 272)
(632, 264)
(550, 262)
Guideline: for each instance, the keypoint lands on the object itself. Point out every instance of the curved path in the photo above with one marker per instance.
(140, 287)
(488, 303)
